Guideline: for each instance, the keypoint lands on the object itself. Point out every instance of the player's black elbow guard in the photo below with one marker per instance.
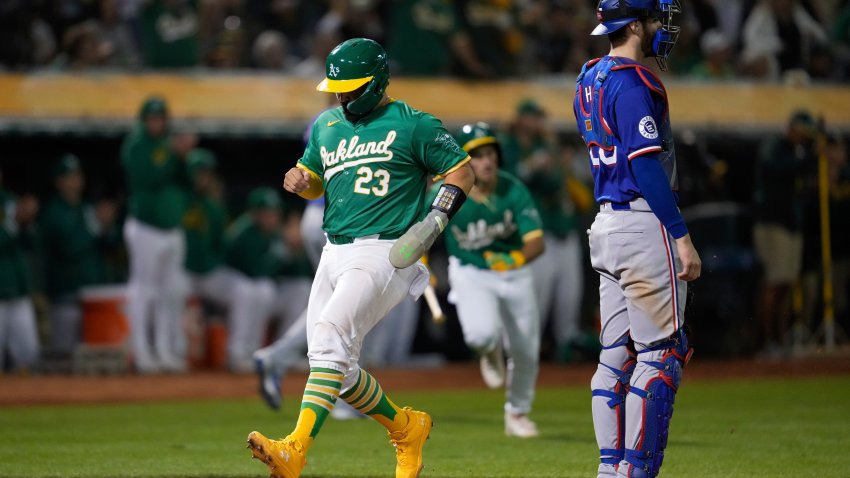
(449, 199)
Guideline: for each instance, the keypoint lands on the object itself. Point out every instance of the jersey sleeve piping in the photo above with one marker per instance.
(303, 166)
(452, 169)
(532, 235)
(642, 151)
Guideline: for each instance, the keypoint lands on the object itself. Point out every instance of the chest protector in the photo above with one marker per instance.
(609, 76)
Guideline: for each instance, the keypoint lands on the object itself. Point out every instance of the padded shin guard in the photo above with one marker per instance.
(658, 395)
(611, 382)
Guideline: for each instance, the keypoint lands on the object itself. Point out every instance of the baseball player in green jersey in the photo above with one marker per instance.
(490, 241)
(252, 252)
(18, 334)
(170, 33)
(157, 180)
(370, 157)
(204, 223)
(75, 237)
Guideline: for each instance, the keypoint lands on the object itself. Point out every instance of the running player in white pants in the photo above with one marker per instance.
(370, 158)
(639, 243)
(490, 242)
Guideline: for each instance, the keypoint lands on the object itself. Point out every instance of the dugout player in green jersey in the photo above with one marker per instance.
(18, 331)
(371, 158)
(157, 180)
(490, 240)
(75, 238)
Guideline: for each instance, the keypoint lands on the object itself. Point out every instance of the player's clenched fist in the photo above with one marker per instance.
(296, 180)
(691, 263)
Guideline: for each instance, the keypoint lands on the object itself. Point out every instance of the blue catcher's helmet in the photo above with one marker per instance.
(615, 14)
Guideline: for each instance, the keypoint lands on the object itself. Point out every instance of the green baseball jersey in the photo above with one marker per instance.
(251, 251)
(420, 37)
(204, 223)
(74, 247)
(497, 224)
(156, 179)
(14, 273)
(170, 34)
(374, 171)
(556, 209)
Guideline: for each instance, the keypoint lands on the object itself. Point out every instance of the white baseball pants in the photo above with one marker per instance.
(18, 334)
(492, 305)
(156, 291)
(354, 288)
(559, 285)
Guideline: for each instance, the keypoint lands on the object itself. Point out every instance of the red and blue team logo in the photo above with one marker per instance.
(647, 128)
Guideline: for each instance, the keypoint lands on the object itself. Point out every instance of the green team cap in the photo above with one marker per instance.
(530, 107)
(68, 163)
(802, 117)
(264, 198)
(155, 105)
(352, 64)
(471, 136)
(200, 158)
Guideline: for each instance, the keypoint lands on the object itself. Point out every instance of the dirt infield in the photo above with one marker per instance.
(41, 390)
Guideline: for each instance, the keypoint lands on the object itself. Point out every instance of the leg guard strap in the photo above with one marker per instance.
(677, 345)
(610, 456)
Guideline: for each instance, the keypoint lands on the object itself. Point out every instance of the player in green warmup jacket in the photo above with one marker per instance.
(490, 241)
(204, 224)
(157, 180)
(253, 251)
(18, 335)
(75, 237)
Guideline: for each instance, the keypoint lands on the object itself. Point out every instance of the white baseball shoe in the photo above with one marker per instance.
(493, 368)
(520, 426)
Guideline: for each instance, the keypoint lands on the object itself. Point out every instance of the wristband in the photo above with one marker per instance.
(449, 199)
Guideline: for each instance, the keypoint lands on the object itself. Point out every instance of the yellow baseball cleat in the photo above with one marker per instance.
(285, 458)
(409, 442)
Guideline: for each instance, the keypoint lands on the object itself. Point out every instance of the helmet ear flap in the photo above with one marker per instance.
(372, 95)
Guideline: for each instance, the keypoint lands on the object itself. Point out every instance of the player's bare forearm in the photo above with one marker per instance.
(463, 177)
(691, 263)
(533, 248)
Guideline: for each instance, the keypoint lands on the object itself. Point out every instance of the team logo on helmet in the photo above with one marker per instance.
(647, 128)
(333, 70)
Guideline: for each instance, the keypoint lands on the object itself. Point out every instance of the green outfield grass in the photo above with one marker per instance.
(794, 428)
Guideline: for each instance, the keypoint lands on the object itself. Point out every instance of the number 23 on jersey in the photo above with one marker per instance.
(369, 182)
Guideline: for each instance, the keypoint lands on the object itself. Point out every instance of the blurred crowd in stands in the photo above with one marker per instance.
(772, 40)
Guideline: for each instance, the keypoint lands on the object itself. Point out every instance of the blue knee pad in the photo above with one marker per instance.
(658, 400)
(617, 400)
